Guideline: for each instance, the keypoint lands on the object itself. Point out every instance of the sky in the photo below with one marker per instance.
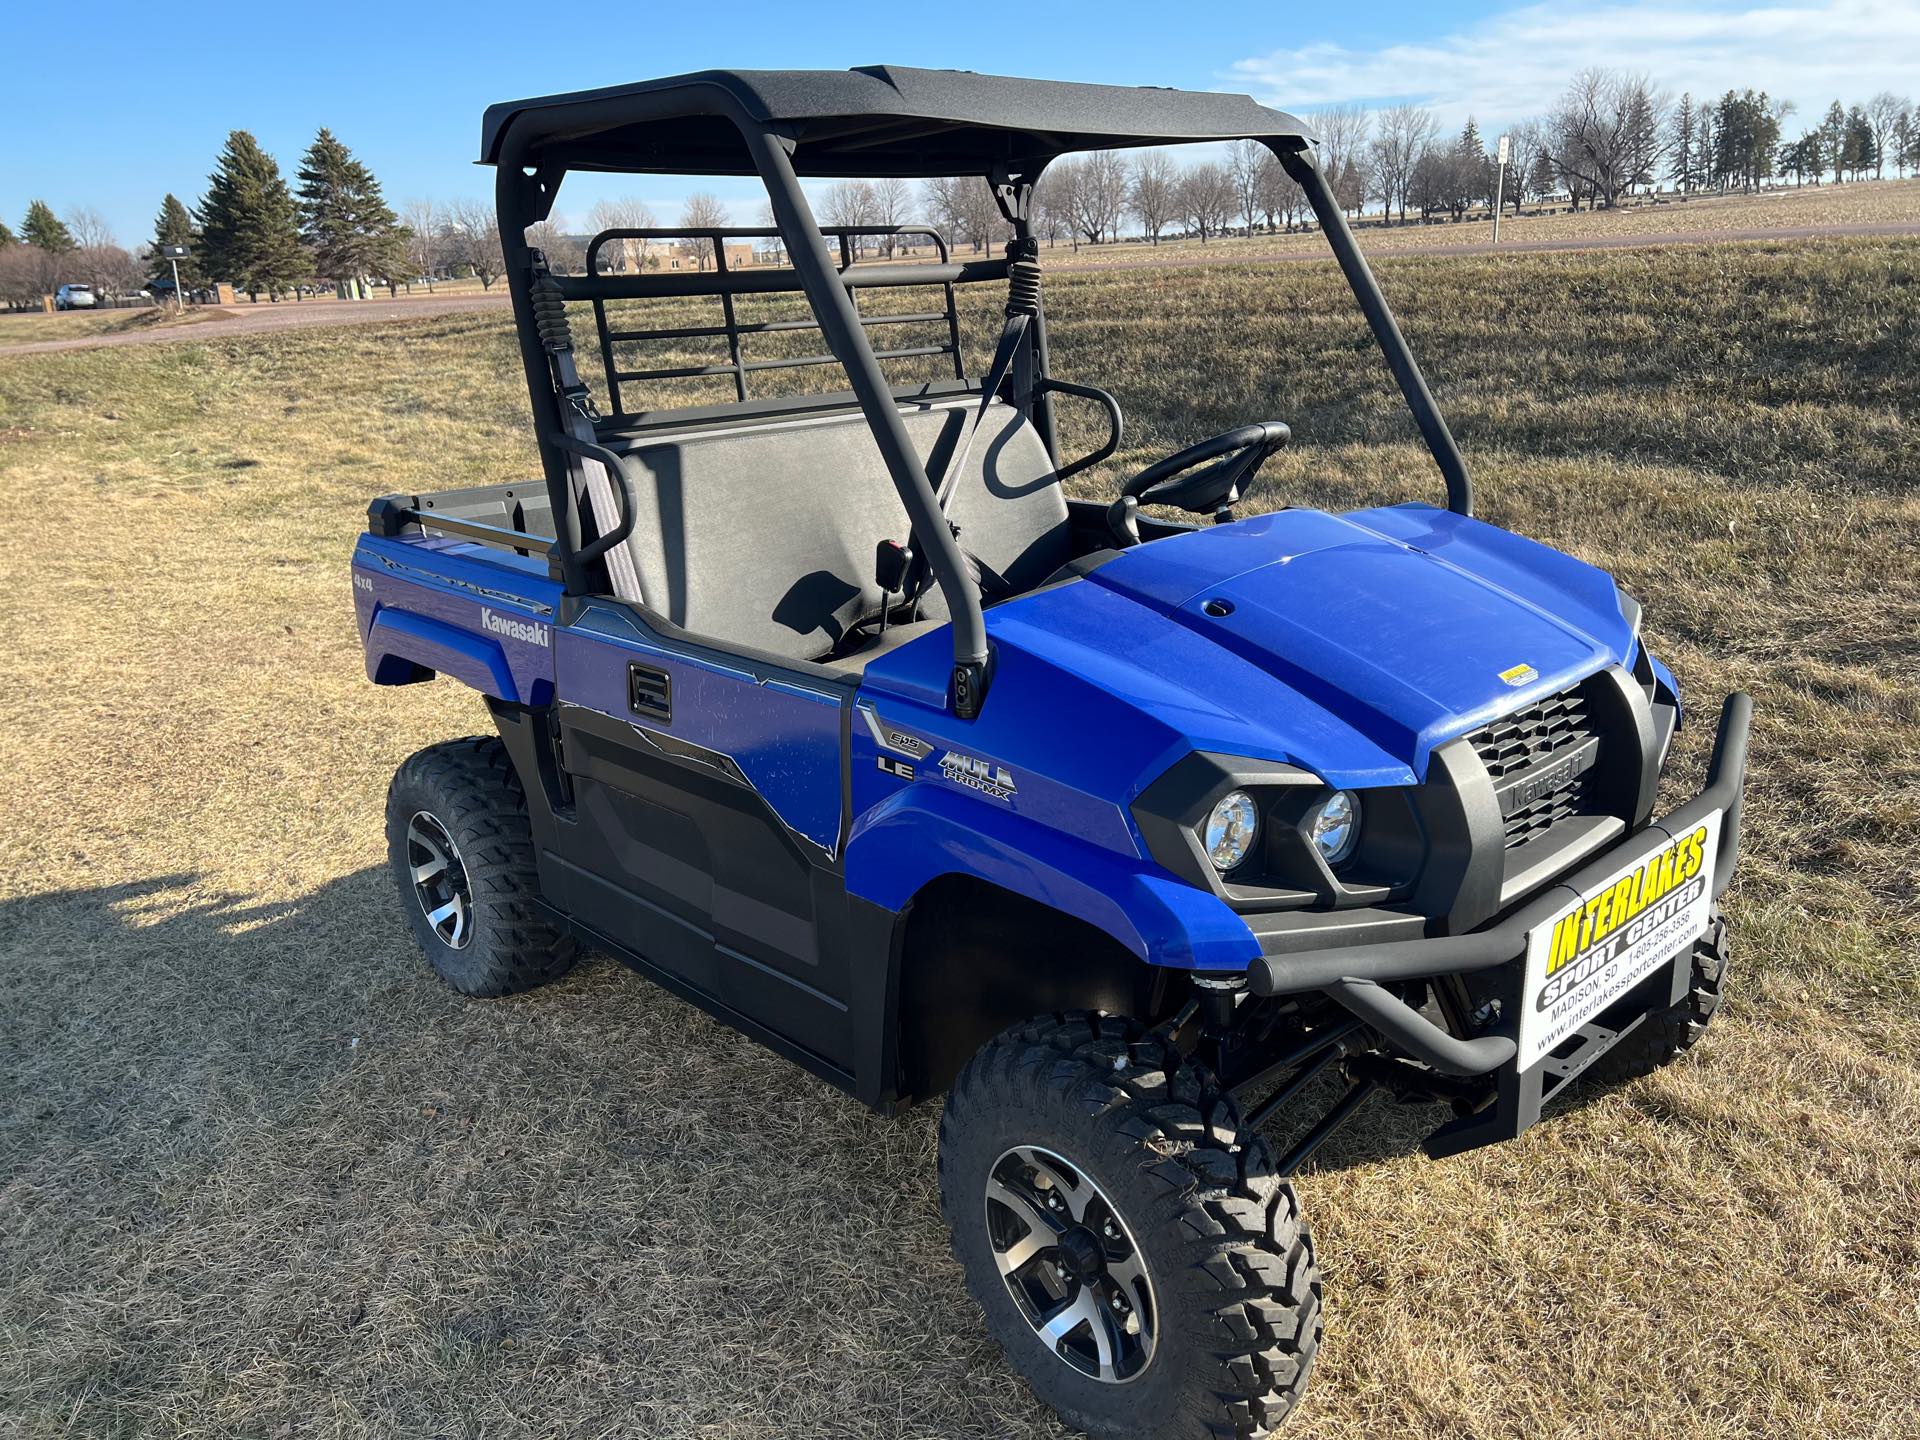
(112, 106)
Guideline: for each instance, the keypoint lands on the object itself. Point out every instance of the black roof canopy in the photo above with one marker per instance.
(878, 120)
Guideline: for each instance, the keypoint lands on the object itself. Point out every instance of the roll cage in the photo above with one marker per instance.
(875, 122)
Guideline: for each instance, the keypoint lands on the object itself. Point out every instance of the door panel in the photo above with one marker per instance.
(707, 804)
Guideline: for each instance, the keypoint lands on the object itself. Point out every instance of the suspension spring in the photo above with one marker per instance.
(550, 315)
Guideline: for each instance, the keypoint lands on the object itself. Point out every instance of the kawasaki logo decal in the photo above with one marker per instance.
(513, 629)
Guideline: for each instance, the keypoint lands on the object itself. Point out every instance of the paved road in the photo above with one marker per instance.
(288, 315)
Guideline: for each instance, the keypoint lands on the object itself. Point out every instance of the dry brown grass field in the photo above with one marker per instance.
(262, 1176)
(1886, 202)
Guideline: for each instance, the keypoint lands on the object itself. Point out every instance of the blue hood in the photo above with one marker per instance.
(1350, 645)
(1409, 638)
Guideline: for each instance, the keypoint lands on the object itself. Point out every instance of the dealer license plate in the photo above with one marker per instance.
(1617, 933)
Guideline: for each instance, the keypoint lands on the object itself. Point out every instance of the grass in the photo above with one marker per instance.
(19, 328)
(261, 1176)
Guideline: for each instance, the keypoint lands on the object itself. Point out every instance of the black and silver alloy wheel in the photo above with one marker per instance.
(440, 880)
(1129, 1240)
(1070, 1264)
(461, 850)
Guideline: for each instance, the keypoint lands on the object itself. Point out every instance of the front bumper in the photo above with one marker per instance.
(1355, 977)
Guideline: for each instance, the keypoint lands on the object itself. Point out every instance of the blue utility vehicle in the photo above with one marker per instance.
(1140, 838)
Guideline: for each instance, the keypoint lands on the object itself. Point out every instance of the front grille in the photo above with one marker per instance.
(1536, 817)
(1514, 744)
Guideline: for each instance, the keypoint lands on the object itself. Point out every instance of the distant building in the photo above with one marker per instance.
(624, 257)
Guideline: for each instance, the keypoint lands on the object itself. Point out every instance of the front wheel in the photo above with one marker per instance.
(1133, 1251)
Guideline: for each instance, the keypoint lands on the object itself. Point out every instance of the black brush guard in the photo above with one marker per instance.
(1356, 977)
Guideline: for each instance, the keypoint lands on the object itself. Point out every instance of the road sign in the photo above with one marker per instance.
(174, 252)
(1506, 149)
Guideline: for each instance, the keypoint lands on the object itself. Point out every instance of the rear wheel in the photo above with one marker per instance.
(461, 852)
(1660, 1038)
(1132, 1249)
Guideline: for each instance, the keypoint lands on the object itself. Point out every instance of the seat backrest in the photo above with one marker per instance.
(763, 535)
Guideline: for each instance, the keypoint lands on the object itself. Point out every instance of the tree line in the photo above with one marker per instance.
(1610, 135)
(254, 231)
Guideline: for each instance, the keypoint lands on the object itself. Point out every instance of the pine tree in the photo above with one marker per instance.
(1833, 140)
(1862, 151)
(249, 237)
(174, 226)
(44, 230)
(6, 236)
(344, 217)
(1680, 158)
(1473, 180)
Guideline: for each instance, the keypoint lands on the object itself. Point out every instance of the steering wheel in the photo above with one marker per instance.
(1231, 461)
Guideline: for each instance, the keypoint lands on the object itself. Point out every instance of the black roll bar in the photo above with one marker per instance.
(840, 322)
(525, 194)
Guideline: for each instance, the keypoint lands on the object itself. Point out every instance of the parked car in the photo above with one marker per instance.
(75, 297)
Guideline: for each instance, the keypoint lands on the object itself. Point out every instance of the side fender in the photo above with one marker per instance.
(414, 639)
(926, 831)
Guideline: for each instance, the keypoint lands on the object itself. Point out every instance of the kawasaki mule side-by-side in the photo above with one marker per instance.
(831, 713)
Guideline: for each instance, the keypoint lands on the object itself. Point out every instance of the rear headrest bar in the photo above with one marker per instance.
(726, 280)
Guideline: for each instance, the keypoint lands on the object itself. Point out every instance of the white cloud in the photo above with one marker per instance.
(1514, 64)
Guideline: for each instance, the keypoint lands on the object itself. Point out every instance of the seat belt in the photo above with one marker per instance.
(590, 480)
(1023, 304)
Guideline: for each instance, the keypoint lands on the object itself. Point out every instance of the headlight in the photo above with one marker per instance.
(1228, 834)
(1334, 825)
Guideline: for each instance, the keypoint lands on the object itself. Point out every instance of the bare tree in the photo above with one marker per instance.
(107, 267)
(627, 213)
(1603, 135)
(1052, 216)
(978, 212)
(1403, 134)
(1243, 168)
(1883, 118)
(426, 238)
(1206, 198)
(851, 203)
(474, 231)
(1343, 131)
(1530, 165)
(89, 228)
(703, 211)
(1150, 192)
(1278, 194)
(20, 279)
(892, 207)
(962, 207)
(1063, 197)
(1099, 195)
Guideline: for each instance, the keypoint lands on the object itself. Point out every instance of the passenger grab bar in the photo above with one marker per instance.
(616, 468)
(1086, 392)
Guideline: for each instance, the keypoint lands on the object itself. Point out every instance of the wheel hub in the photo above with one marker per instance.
(1070, 1264)
(1081, 1254)
(440, 882)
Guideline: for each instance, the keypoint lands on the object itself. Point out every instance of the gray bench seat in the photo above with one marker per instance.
(762, 535)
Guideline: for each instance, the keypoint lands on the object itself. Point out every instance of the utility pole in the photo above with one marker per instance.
(1502, 151)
